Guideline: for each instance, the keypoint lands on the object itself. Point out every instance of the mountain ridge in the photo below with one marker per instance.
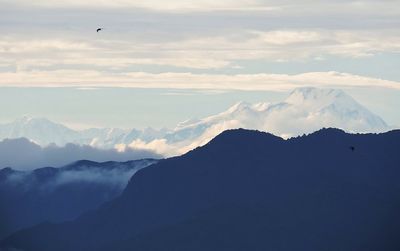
(309, 191)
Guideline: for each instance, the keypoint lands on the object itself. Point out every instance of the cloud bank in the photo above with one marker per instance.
(189, 44)
(23, 154)
(267, 82)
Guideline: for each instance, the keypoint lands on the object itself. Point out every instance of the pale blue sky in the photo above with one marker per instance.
(121, 107)
(251, 50)
(139, 108)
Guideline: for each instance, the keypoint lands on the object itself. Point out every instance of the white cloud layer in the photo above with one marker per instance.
(45, 41)
(208, 5)
(204, 52)
(23, 154)
(273, 82)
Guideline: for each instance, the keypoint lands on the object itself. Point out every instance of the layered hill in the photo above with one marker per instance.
(53, 194)
(249, 190)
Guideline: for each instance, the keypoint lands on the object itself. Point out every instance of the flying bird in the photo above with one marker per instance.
(352, 148)
(99, 29)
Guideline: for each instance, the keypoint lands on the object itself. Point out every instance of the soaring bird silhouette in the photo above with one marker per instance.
(352, 148)
(99, 29)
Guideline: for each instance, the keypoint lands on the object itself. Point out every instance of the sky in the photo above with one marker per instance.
(156, 62)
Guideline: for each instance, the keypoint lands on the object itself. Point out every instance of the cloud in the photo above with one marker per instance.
(61, 36)
(192, 52)
(291, 6)
(24, 155)
(270, 82)
(115, 177)
(160, 146)
(288, 37)
(170, 5)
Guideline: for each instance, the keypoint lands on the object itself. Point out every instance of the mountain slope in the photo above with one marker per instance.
(248, 190)
(57, 194)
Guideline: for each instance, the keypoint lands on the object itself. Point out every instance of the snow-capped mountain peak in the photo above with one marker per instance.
(238, 107)
(317, 97)
(28, 120)
(186, 123)
(336, 109)
(305, 110)
(261, 106)
(39, 130)
(23, 120)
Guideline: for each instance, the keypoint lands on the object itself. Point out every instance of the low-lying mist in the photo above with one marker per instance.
(22, 154)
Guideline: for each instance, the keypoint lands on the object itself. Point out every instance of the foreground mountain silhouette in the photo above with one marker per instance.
(53, 194)
(247, 190)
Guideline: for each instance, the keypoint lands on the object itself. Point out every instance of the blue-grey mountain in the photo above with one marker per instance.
(53, 194)
(249, 190)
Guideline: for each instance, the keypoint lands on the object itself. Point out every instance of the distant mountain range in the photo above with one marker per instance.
(304, 111)
(248, 190)
(53, 194)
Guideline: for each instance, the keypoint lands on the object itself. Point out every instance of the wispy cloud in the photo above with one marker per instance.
(205, 52)
(273, 82)
(43, 39)
(209, 5)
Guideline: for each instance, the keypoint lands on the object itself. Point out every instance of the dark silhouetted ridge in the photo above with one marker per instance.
(238, 135)
(248, 190)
